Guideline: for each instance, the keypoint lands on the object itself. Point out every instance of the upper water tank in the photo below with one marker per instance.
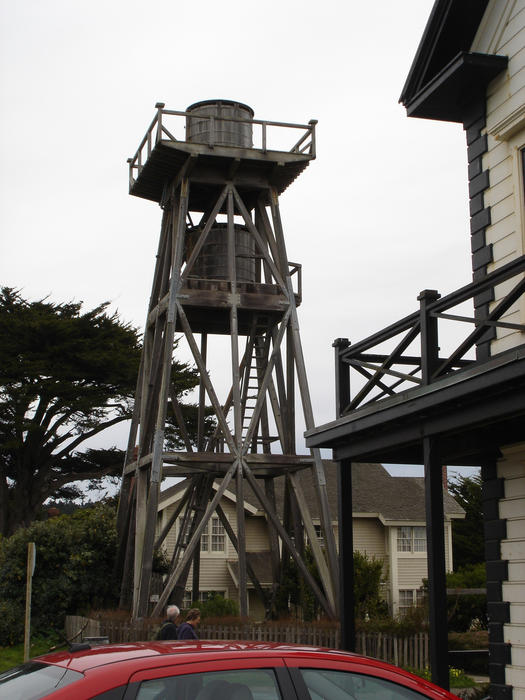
(225, 132)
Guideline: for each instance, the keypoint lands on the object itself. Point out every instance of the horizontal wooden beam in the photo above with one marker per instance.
(219, 462)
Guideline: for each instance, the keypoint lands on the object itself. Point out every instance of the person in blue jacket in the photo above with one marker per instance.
(187, 629)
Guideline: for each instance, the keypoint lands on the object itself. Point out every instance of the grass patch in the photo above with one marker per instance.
(457, 677)
(14, 655)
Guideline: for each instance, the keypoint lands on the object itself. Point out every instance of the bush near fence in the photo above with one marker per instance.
(410, 650)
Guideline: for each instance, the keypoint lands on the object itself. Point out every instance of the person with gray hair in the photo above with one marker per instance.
(168, 629)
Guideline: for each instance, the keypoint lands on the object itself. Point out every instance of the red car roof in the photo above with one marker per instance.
(200, 650)
(121, 661)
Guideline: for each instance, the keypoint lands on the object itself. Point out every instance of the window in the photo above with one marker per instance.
(218, 536)
(35, 680)
(187, 601)
(408, 598)
(319, 534)
(341, 685)
(256, 683)
(411, 539)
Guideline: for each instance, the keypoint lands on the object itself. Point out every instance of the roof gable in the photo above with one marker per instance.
(445, 75)
(374, 490)
(450, 29)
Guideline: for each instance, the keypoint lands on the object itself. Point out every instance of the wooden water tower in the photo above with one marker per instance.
(222, 269)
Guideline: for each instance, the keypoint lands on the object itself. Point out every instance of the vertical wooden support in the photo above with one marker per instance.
(345, 508)
(237, 408)
(437, 591)
(148, 513)
(290, 390)
(202, 396)
(346, 556)
(435, 522)
(318, 471)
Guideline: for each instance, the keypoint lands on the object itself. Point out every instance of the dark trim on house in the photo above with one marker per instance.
(450, 29)
(447, 95)
(479, 181)
(493, 488)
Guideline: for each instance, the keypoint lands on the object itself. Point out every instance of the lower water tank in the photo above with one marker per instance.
(212, 261)
(225, 132)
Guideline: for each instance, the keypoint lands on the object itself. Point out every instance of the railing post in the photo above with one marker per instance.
(312, 123)
(429, 335)
(264, 137)
(434, 504)
(342, 377)
(159, 107)
(131, 178)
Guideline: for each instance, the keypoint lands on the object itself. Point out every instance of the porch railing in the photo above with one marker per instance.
(168, 124)
(413, 356)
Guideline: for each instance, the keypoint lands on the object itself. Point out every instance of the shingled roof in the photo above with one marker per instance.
(374, 491)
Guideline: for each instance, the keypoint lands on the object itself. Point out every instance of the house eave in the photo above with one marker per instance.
(461, 82)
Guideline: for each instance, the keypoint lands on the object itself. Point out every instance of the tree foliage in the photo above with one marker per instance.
(74, 568)
(65, 375)
(468, 546)
(368, 575)
(467, 611)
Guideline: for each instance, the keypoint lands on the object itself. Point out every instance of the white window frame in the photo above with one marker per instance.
(413, 597)
(411, 540)
(213, 536)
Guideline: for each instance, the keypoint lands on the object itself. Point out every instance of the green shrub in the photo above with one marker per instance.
(368, 574)
(415, 621)
(478, 639)
(75, 557)
(467, 611)
(11, 623)
(457, 677)
(217, 606)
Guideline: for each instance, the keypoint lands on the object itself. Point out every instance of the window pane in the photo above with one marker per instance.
(406, 597)
(259, 684)
(35, 680)
(420, 539)
(217, 535)
(319, 534)
(341, 685)
(404, 539)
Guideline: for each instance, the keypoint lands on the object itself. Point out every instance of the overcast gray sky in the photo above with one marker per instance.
(380, 215)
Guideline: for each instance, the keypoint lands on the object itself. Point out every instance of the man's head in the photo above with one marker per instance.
(172, 612)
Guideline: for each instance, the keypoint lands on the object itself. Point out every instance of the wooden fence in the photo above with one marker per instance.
(410, 651)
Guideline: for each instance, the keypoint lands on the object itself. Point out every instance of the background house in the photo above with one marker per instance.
(389, 524)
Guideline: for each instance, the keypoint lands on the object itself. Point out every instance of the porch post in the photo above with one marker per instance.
(346, 535)
(437, 591)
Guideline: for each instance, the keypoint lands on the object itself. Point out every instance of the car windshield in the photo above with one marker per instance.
(34, 680)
